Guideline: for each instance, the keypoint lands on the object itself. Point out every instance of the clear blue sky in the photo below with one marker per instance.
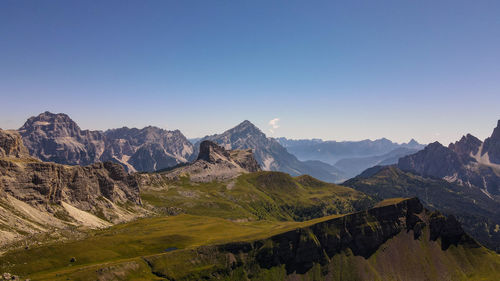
(343, 70)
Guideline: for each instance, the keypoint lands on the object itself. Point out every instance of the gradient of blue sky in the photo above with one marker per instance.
(343, 70)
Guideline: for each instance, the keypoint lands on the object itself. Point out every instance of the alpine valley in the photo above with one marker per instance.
(148, 204)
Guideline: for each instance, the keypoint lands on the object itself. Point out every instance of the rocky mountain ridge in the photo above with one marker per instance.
(57, 138)
(468, 161)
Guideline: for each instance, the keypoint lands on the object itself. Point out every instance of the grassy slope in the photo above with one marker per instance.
(256, 196)
(128, 242)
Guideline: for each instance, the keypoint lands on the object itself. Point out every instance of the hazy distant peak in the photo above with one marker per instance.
(413, 142)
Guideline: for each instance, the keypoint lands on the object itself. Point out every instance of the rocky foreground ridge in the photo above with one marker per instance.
(38, 196)
(341, 248)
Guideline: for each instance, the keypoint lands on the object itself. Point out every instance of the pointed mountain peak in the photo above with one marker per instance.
(246, 127)
(246, 124)
(413, 142)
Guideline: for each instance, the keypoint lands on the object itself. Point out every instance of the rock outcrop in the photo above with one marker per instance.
(213, 153)
(11, 144)
(214, 163)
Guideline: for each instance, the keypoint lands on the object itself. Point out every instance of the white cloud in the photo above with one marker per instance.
(274, 125)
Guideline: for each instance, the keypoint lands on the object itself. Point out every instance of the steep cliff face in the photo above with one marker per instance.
(397, 240)
(87, 188)
(11, 144)
(213, 153)
(41, 195)
(492, 145)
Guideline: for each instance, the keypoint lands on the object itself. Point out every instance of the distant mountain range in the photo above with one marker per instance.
(350, 158)
(57, 138)
(332, 151)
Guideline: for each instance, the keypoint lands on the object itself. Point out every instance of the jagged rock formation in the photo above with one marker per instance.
(148, 149)
(397, 240)
(57, 138)
(37, 196)
(469, 162)
(269, 153)
(214, 163)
